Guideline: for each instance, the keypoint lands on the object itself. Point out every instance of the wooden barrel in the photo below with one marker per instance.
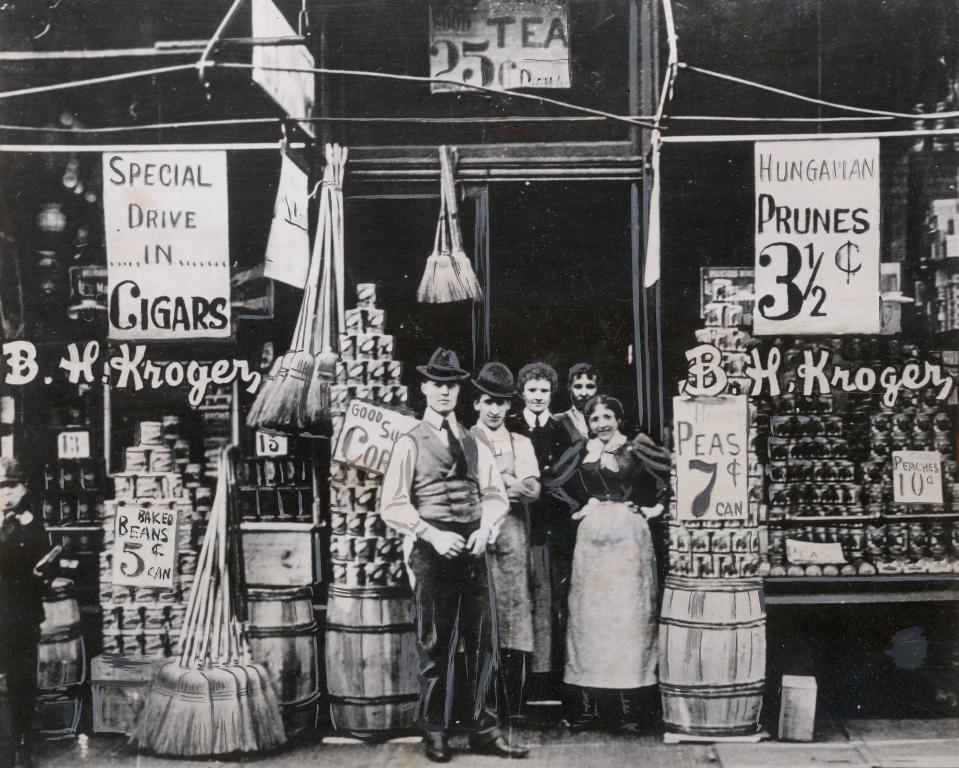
(712, 655)
(371, 660)
(282, 632)
(61, 656)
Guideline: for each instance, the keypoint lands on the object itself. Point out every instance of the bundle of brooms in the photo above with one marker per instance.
(295, 395)
(449, 275)
(213, 700)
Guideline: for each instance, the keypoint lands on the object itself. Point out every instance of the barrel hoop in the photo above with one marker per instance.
(668, 621)
(282, 631)
(60, 635)
(712, 691)
(687, 584)
(379, 629)
(692, 730)
(336, 591)
(263, 594)
(369, 701)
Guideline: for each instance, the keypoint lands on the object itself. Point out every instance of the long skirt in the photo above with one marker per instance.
(611, 636)
(510, 570)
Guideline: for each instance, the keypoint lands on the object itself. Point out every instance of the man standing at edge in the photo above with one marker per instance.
(443, 487)
(582, 381)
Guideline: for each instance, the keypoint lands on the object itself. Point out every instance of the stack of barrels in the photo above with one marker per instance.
(371, 660)
(61, 663)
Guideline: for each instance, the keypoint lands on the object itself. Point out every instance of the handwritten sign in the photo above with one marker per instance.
(73, 445)
(711, 463)
(500, 45)
(368, 434)
(167, 230)
(271, 446)
(917, 477)
(817, 237)
(288, 247)
(293, 91)
(814, 553)
(145, 544)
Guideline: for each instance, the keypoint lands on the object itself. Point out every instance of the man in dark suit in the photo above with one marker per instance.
(552, 532)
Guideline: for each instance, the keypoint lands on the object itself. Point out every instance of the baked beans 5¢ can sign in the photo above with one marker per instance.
(166, 224)
(144, 544)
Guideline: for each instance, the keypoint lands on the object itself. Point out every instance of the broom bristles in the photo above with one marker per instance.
(466, 274)
(227, 717)
(269, 414)
(291, 391)
(316, 411)
(441, 284)
(262, 395)
(265, 706)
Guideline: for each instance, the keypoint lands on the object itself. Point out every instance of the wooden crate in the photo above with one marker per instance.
(119, 686)
(281, 554)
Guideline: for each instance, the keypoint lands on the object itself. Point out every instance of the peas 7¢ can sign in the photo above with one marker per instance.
(817, 237)
(144, 544)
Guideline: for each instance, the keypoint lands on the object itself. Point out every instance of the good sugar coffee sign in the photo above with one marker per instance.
(368, 433)
(168, 252)
(711, 441)
(499, 44)
(144, 545)
(817, 237)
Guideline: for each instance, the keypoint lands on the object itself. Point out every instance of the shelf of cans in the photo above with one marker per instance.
(158, 474)
(364, 552)
(829, 468)
(275, 489)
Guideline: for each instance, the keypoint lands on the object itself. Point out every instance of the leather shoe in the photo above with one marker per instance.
(498, 746)
(437, 747)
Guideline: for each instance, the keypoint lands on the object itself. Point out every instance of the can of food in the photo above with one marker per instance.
(341, 547)
(374, 525)
(161, 459)
(356, 524)
(366, 345)
(377, 372)
(137, 459)
(171, 428)
(149, 433)
(375, 320)
(385, 346)
(356, 321)
(347, 347)
(366, 295)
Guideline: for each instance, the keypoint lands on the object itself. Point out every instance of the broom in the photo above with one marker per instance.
(316, 410)
(461, 262)
(204, 703)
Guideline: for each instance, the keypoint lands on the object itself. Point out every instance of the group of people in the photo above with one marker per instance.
(531, 555)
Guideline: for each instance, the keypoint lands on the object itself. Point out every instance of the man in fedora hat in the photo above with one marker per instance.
(508, 553)
(23, 545)
(443, 487)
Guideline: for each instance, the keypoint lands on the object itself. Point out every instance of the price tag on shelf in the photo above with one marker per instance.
(917, 477)
(270, 446)
(73, 445)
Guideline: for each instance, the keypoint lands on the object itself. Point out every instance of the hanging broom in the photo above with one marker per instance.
(461, 262)
(316, 410)
(204, 703)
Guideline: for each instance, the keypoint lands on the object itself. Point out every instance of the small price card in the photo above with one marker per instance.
(73, 445)
(270, 446)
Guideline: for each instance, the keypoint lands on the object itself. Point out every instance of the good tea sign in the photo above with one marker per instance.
(917, 477)
(168, 245)
(817, 237)
(368, 434)
(144, 545)
(711, 435)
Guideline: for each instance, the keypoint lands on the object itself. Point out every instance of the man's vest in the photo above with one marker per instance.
(440, 492)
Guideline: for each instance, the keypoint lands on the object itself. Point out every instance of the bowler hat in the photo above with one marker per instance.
(495, 380)
(444, 365)
(10, 470)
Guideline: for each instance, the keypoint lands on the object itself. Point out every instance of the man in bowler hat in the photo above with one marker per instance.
(443, 487)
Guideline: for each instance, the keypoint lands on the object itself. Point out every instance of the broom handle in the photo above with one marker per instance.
(223, 624)
(321, 316)
(327, 285)
(200, 584)
(446, 170)
(210, 602)
(198, 647)
(339, 270)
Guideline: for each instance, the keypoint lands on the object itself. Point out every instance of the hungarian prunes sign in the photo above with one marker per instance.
(817, 237)
(711, 436)
(501, 44)
(166, 222)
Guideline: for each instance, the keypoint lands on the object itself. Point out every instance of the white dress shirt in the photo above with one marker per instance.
(534, 420)
(513, 453)
(396, 503)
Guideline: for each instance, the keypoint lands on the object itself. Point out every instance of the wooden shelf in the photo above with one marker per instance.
(861, 590)
(863, 518)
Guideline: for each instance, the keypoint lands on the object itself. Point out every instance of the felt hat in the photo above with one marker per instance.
(444, 365)
(495, 380)
(10, 470)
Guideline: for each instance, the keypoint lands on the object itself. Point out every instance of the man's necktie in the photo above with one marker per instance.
(456, 448)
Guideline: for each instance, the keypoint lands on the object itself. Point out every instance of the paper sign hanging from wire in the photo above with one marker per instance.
(288, 247)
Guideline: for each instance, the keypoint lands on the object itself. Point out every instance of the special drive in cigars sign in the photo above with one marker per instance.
(712, 438)
(817, 237)
(166, 223)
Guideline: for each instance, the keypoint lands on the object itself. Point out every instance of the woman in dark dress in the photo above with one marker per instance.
(612, 631)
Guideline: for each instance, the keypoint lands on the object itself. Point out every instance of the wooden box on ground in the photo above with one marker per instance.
(119, 685)
(797, 715)
(281, 554)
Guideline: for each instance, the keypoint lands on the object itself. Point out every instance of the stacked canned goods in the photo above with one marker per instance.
(160, 475)
(275, 489)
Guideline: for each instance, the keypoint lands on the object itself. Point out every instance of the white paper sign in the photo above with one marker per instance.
(293, 91)
(814, 553)
(368, 433)
(166, 220)
(145, 544)
(817, 237)
(288, 248)
(917, 477)
(73, 445)
(271, 446)
(501, 45)
(711, 435)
